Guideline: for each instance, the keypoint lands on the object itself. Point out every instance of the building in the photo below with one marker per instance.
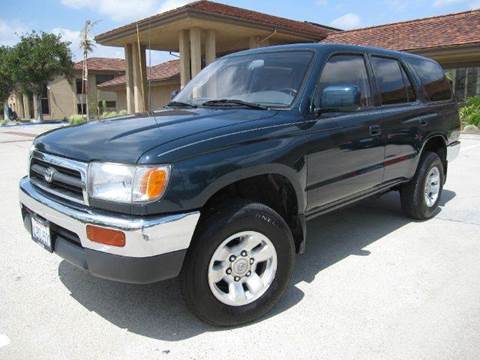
(63, 97)
(200, 32)
(163, 80)
(453, 40)
(204, 30)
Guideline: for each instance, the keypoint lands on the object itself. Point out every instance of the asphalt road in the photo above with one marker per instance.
(372, 285)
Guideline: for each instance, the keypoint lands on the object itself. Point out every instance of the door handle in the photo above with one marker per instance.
(424, 122)
(375, 130)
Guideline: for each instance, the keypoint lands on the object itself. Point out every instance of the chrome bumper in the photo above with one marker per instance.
(145, 237)
(453, 150)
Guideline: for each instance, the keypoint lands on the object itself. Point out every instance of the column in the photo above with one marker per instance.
(196, 50)
(19, 105)
(26, 106)
(210, 47)
(139, 63)
(36, 110)
(129, 78)
(257, 42)
(184, 50)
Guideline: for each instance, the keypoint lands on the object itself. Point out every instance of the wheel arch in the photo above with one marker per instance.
(436, 143)
(264, 184)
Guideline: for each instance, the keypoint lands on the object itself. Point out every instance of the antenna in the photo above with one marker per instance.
(140, 62)
(149, 78)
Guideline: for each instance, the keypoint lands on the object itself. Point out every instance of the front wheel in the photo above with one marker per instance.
(239, 264)
(421, 196)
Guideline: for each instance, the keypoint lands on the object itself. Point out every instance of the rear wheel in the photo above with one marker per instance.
(421, 196)
(238, 265)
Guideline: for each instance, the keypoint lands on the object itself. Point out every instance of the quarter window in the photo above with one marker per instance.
(347, 70)
(433, 79)
(392, 81)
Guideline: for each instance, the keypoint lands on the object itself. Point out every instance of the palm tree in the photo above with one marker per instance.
(86, 44)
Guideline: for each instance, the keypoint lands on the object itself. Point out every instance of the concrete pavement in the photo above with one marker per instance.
(372, 285)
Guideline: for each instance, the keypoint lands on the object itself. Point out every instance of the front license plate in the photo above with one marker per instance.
(41, 233)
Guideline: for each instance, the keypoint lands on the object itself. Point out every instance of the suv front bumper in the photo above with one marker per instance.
(155, 246)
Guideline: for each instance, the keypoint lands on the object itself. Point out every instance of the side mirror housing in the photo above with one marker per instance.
(338, 98)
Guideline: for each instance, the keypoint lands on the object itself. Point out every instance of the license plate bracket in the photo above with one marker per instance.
(41, 233)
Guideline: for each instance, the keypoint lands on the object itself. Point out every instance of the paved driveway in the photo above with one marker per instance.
(373, 285)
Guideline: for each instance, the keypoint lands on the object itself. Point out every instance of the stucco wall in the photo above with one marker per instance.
(160, 96)
(61, 98)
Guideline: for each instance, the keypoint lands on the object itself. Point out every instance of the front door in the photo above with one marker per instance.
(351, 161)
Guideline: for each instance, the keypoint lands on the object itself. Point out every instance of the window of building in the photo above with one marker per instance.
(78, 83)
(466, 82)
(392, 81)
(110, 104)
(103, 78)
(347, 70)
(433, 79)
(45, 105)
(82, 109)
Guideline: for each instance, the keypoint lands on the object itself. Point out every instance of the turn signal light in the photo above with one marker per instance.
(105, 236)
(154, 182)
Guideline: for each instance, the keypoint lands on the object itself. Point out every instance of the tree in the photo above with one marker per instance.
(38, 59)
(87, 45)
(7, 83)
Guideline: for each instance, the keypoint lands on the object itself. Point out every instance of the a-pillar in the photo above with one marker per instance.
(129, 78)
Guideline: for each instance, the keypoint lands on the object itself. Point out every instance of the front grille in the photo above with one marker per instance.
(62, 177)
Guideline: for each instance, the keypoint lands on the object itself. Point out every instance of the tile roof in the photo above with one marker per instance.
(315, 31)
(105, 64)
(438, 31)
(261, 18)
(165, 71)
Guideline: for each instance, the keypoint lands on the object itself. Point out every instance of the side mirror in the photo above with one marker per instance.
(174, 93)
(338, 98)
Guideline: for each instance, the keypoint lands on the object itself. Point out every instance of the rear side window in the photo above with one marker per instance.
(393, 83)
(433, 79)
(347, 70)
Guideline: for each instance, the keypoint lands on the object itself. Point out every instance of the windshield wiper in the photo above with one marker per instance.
(234, 102)
(180, 104)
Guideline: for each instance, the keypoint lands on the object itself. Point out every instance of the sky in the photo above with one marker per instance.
(66, 17)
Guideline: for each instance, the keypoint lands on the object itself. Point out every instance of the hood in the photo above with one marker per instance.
(124, 140)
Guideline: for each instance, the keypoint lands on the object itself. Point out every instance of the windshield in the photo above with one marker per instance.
(268, 79)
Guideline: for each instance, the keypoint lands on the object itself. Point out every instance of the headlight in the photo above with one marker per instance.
(127, 183)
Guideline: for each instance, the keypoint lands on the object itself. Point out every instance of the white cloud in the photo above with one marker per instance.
(347, 21)
(10, 31)
(172, 4)
(120, 10)
(475, 4)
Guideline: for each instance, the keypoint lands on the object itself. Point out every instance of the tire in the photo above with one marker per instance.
(414, 201)
(206, 299)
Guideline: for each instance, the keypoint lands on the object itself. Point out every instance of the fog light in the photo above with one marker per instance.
(105, 236)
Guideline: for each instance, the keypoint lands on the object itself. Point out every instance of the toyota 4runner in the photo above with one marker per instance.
(218, 186)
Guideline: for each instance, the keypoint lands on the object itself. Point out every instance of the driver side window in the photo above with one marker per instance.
(347, 71)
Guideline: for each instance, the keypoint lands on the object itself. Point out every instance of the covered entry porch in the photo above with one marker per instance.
(199, 33)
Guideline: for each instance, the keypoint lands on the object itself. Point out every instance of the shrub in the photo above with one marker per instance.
(470, 111)
(112, 114)
(77, 119)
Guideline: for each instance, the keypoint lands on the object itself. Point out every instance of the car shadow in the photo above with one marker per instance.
(158, 311)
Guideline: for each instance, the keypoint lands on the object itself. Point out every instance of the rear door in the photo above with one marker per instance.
(404, 116)
(351, 161)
